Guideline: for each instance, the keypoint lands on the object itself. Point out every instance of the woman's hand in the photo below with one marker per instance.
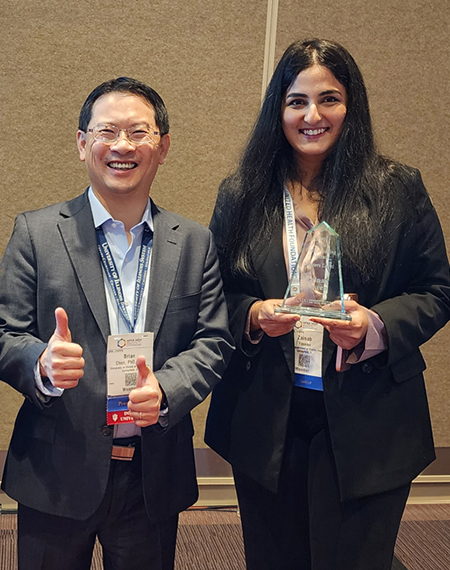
(347, 334)
(263, 317)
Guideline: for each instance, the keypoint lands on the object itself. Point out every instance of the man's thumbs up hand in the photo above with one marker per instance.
(145, 399)
(62, 360)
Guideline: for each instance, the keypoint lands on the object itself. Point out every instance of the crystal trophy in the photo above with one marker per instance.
(315, 288)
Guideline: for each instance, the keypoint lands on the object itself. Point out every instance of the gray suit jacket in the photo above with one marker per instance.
(59, 457)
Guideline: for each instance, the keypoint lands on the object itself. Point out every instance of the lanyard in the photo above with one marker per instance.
(291, 235)
(112, 274)
(308, 337)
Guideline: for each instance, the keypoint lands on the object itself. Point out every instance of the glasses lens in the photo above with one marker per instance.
(142, 135)
(105, 133)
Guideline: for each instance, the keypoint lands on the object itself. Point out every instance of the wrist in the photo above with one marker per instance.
(42, 371)
(254, 315)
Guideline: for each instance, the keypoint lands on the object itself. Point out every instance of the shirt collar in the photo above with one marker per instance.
(101, 214)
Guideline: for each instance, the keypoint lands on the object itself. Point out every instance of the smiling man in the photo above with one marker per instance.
(75, 278)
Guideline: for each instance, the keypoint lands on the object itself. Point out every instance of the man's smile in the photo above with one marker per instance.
(116, 165)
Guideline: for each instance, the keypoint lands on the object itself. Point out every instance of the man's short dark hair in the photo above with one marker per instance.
(126, 85)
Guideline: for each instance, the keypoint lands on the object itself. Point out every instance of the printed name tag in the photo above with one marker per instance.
(308, 339)
(121, 371)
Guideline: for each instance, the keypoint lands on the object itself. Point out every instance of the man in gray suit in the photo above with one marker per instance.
(74, 275)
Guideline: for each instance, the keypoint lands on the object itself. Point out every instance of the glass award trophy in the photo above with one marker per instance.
(315, 288)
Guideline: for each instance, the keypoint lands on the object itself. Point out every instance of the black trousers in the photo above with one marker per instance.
(130, 541)
(305, 526)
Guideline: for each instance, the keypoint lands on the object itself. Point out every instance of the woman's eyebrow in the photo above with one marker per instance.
(321, 94)
(296, 95)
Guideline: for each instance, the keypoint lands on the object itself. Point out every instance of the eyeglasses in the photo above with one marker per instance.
(135, 135)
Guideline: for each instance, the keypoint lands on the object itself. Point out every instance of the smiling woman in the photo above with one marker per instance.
(323, 447)
(314, 110)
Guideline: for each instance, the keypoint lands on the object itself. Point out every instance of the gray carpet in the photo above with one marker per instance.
(212, 540)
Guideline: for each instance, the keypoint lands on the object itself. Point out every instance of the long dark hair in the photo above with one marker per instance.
(353, 181)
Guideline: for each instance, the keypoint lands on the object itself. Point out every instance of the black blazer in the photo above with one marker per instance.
(60, 452)
(377, 411)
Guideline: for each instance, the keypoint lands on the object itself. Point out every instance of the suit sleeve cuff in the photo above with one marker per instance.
(44, 387)
(374, 342)
(254, 337)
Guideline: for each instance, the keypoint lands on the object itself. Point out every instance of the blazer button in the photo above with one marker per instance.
(106, 431)
(248, 365)
(367, 367)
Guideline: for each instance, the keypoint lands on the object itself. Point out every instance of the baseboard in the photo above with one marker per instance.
(220, 492)
(426, 489)
(216, 484)
(430, 489)
(216, 492)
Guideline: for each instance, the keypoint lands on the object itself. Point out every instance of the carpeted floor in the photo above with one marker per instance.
(212, 540)
(423, 542)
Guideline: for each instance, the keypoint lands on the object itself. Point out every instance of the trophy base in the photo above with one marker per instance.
(313, 312)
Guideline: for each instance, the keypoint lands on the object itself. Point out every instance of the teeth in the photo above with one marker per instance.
(312, 132)
(122, 165)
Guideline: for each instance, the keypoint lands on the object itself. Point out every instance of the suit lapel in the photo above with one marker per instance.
(78, 233)
(270, 267)
(167, 245)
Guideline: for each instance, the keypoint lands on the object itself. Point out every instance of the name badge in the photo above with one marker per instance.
(121, 371)
(308, 340)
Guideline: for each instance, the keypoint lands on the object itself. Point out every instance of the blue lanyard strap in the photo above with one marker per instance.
(112, 274)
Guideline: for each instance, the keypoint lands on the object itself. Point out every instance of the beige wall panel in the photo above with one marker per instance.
(403, 51)
(204, 57)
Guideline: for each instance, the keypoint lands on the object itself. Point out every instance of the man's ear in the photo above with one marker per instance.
(81, 144)
(164, 145)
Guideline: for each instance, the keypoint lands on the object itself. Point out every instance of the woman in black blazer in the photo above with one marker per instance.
(323, 474)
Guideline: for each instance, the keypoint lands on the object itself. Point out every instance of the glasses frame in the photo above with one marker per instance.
(151, 131)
